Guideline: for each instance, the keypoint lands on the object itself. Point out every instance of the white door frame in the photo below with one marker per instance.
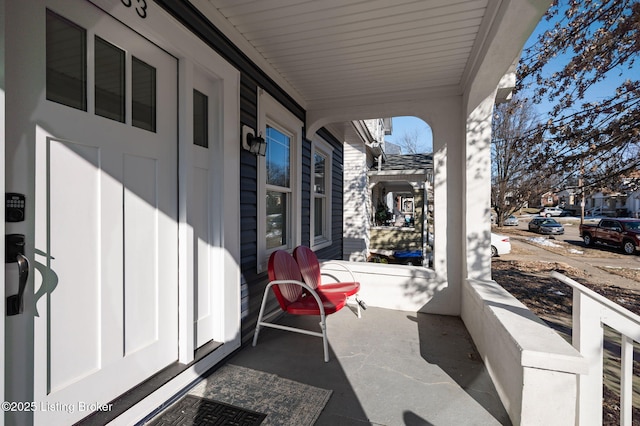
(2, 185)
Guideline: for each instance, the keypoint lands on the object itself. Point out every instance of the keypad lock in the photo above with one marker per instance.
(14, 207)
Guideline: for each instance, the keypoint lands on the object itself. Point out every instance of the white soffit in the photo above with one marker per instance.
(332, 50)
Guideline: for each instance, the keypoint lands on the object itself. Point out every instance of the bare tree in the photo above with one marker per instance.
(513, 179)
(410, 142)
(588, 42)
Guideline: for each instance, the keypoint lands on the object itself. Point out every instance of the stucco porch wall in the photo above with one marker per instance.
(534, 370)
(391, 286)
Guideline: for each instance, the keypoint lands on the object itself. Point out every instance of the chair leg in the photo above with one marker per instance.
(260, 315)
(325, 343)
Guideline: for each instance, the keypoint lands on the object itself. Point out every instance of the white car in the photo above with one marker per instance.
(511, 221)
(551, 211)
(500, 244)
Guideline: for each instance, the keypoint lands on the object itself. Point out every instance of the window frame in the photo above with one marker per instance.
(273, 114)
(319, 146)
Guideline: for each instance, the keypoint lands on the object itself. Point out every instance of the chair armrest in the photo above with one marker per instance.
(303, 285)
(345, 267)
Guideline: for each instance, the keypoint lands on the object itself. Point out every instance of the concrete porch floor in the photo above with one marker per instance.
(387, 368)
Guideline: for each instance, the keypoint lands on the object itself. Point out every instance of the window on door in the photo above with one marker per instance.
(68, 48)
(200, 119)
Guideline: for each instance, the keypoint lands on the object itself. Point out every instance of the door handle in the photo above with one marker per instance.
(15, 303)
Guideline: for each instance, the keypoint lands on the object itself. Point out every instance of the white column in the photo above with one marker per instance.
(477, 190)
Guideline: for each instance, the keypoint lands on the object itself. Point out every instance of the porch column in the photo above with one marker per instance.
(447, 124)
(477, 190)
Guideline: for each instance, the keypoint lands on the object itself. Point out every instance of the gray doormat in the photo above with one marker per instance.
(196, 411)
(284, 401)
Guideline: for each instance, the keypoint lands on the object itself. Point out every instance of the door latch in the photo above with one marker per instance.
(14, 249)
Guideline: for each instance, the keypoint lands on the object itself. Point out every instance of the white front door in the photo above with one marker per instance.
(99, 156)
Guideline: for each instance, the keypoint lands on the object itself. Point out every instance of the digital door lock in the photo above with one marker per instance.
(14, 250)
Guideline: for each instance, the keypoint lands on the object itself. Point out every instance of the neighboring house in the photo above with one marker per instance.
(549, 199)
(633, 204)
(402, 187)
(569, 199)
(133, 130)
(383, 190)
(364, 145)
(606, 203)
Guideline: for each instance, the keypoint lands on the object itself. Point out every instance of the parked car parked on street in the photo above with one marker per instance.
(546, 225)
(500, 244)
(551, 211)
(511, 221)
(623, 233)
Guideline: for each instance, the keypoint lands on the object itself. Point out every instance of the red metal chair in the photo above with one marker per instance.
(297, 298)
(312, 275)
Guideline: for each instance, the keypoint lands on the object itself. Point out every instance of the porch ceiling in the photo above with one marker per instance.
(332, 51)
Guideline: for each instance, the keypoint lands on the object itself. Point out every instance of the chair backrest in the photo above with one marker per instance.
(309, 266)
(282, 266)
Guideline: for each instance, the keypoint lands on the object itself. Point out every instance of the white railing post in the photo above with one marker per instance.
(588, 340)
(626, 381)
(590, 311)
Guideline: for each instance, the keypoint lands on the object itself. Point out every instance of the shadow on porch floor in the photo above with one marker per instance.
(387, 368)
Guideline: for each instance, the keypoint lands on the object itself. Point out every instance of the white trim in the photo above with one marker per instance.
(326, 150)
(272, 113)
(2, 185)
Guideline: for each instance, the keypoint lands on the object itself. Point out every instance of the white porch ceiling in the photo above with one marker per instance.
(333, 50)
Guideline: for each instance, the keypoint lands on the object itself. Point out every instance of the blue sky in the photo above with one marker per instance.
(404, 125)
(408, 125)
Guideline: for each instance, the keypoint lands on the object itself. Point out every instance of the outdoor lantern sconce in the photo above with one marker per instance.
(252, 143)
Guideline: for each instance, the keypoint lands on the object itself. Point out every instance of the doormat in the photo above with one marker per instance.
(196, 411)
(284, 401)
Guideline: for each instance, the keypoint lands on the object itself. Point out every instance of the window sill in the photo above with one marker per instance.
(320, 244)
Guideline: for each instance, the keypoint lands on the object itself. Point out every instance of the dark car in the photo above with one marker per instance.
(546, 225)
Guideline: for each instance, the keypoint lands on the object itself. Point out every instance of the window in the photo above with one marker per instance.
(200, 119)
(321, 194)
(109, 80)
(279, 180)
(278, 165)
(66, 62)
(143, 95)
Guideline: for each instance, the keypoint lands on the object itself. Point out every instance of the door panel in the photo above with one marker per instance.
(78, 222)
(140, 256)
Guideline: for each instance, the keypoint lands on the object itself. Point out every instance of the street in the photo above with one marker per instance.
(598, 261)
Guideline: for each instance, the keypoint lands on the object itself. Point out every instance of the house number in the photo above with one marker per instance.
(140, 6)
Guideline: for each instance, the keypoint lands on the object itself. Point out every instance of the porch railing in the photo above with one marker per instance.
(590, 312)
